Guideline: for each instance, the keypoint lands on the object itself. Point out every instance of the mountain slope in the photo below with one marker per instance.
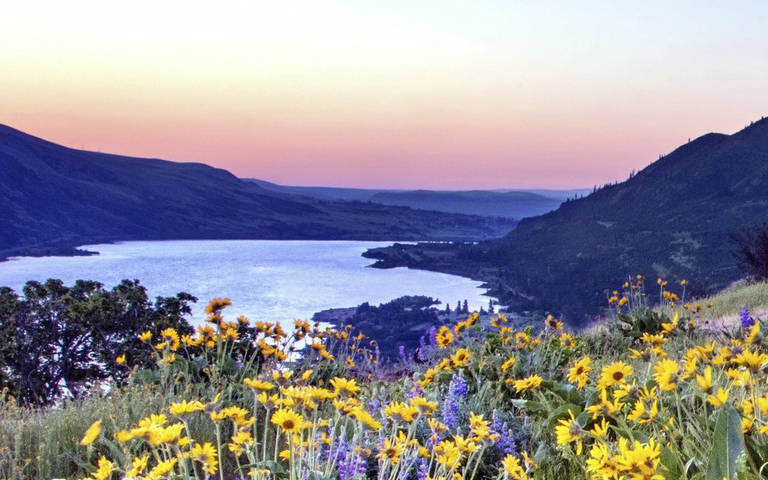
(54, 198)
(673, 220)
(514, 204)
(474, 202)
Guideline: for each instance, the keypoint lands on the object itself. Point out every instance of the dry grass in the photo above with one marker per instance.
(727, 304)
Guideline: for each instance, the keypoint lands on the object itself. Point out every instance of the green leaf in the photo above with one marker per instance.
(749, 476)
(727, 446)
(277, 470)
(670, 464)
(567, 392)
(630, 434)
(562, 412)
(528, 405)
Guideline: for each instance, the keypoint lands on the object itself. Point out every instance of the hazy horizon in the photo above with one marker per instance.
(435, 95)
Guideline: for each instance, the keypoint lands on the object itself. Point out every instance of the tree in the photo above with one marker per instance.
(752, 251)
(60, 341)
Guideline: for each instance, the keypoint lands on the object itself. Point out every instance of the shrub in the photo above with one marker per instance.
(752, 251)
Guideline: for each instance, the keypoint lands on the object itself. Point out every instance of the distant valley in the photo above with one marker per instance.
(506, 203)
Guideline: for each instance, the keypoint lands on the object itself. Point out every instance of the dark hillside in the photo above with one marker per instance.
(672, 220)
(54, 198)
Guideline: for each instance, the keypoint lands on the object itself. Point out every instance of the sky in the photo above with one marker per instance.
(387, 94)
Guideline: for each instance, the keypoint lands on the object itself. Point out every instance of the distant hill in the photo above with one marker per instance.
(53, 198)
(515, 204)
(672, 220)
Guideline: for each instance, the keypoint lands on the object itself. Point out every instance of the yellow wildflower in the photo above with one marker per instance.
(528, 383)
(138, 467)
(288, 420)
(206, 455)
(666, 374)
(444, 337)
(719, 399)
(392, 450)
(345, 387)
(579, 371)
(105, 469)
(614, 374)
(92, 433)
(183, 407)
(569, 431)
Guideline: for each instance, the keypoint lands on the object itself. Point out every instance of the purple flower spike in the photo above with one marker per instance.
(746, 320)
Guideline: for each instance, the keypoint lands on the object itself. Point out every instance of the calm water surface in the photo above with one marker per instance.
(266, 280)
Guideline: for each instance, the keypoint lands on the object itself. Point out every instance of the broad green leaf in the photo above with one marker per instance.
(561, 412)
(670, 464)
(567, 392)
(630, 434)
(727, 446)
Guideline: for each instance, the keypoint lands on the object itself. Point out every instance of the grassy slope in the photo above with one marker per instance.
(726, 305)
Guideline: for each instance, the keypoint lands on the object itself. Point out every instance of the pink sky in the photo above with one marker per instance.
(387, 94)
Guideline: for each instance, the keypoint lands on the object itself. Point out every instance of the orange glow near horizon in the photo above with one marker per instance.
(358, 94)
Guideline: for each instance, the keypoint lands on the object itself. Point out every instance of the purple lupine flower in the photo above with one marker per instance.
(344, 459)
(415, 391)
(450, 413)
(423, 471)
(421, 355)
(359, 466)
(433, 335)
(323, 450)
(506, 441)
(401, 351)
(422, 342)
(458, 386)
(342, 449)
(746, 320)
(457, 390)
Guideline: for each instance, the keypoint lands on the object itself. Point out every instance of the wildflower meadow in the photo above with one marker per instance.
(652, 393)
